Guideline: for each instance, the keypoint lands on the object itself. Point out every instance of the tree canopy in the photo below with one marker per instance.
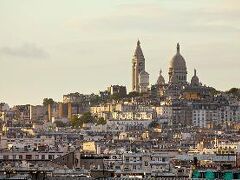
(115, 97)
(85, 118)
(234, 92)
(60, 124)
(77, 122)
(47, 101)
(154, 124)
(133, 94)
(101, 121)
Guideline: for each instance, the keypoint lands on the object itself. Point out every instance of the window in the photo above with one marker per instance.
(5, 157)
(28, 157)
(50, 157)
(146, 163)
(43, 157)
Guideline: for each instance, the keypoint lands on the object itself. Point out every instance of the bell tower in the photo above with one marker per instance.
(138, 65)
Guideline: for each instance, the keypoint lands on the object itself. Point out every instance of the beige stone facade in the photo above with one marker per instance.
(138, 66)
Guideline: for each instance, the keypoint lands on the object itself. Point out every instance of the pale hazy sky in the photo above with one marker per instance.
(53, 47)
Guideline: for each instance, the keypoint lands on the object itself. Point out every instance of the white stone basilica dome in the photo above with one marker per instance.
(178, 62)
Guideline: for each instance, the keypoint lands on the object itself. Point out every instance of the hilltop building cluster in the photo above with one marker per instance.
(170, 129)
(177, 78)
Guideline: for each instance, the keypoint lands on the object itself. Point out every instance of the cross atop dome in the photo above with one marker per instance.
(178, 48)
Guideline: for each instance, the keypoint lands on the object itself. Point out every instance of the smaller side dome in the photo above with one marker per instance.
(161, 80)
(195, 79)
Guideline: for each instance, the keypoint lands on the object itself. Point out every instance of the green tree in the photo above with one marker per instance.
(115, 96)
(85, 118)
(47, 101)
(95, 100)
(133, 94)
(213, 91)
(101, 121)
(60, 124)
(76, 122)
(154, 124)
(88, 118)
(235, 92)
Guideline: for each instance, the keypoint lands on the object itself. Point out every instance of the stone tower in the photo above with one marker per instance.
(138, 65)
(143, 82)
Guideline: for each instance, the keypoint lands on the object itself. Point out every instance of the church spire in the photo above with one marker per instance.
(138, 42)
(138, 51)
(195, 72)
(178, 48)
(138, 67)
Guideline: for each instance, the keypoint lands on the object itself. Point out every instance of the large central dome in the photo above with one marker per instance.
(177, 69)
(178, 62)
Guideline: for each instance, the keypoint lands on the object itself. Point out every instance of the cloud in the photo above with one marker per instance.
(153, 17)
(124, 16)
(25, 51)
